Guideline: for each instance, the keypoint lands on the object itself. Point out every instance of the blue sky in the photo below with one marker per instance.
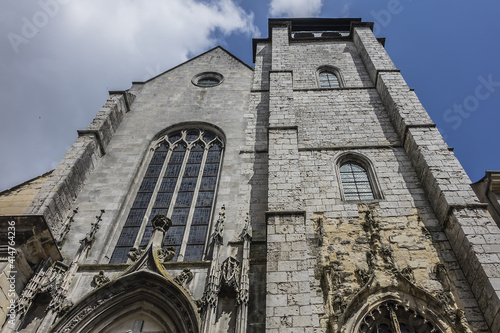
(59, 58)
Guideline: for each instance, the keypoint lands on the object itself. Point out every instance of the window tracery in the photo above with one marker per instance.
(391, 317)
(179, 182)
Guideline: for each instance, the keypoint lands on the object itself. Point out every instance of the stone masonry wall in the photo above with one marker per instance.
(288, 301)
(306, 58)
(59, 192)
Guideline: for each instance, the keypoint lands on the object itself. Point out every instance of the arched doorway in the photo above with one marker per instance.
(141, 302)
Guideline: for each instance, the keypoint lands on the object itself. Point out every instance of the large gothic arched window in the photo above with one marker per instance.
(180, 182)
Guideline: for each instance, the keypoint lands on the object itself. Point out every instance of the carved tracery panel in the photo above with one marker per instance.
(391, 317)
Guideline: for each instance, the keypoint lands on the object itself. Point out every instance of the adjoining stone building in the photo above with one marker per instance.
(311, 193)
(487, 190)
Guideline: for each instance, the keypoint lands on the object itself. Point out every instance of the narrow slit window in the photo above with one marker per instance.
(179, 182)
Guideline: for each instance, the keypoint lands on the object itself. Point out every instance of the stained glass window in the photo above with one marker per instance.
(180, 182)
(355, 182)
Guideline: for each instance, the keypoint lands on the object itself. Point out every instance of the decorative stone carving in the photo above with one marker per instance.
(184, 278)
(246, 233)
(392, 313)
(388, 257)
(337, 290)
(100, 279)
(219, 226)
(319, 228)
(161, 223)
(210, 293)
(166, 254)
(66, 228)
(134, 254)
(87, 309)
(370, 259)
(90, 236)
(230, 273)
(362, 275)
(462, 321)
(442, 275)
(446, 303)
(407, 273)
(200, 304)
(372, 226)
(46, 280)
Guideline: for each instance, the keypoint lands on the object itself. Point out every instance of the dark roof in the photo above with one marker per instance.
(317, 24)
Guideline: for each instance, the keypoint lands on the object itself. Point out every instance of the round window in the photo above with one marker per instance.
(207, 79)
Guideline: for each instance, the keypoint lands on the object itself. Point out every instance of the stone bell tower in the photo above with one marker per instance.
(371, 223)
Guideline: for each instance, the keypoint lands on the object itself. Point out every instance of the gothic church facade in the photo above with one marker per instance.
(311, 193)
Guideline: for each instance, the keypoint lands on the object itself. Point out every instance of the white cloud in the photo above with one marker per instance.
(346, 10)
(85, 48)
(179, 27)
(295, 8)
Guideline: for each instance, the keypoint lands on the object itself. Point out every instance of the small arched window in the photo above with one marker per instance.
(355, 182)
(328, 79)
(357, 178)
(179, 182)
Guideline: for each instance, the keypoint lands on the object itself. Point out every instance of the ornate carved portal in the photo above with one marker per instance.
(141, 296)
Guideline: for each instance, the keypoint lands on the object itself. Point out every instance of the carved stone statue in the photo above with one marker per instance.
(166, 254)
(134, 254)
(100, 279)
(184, 278)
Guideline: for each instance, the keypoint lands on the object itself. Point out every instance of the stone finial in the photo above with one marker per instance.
(161, 223)
(247, 230)
(90, 236)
